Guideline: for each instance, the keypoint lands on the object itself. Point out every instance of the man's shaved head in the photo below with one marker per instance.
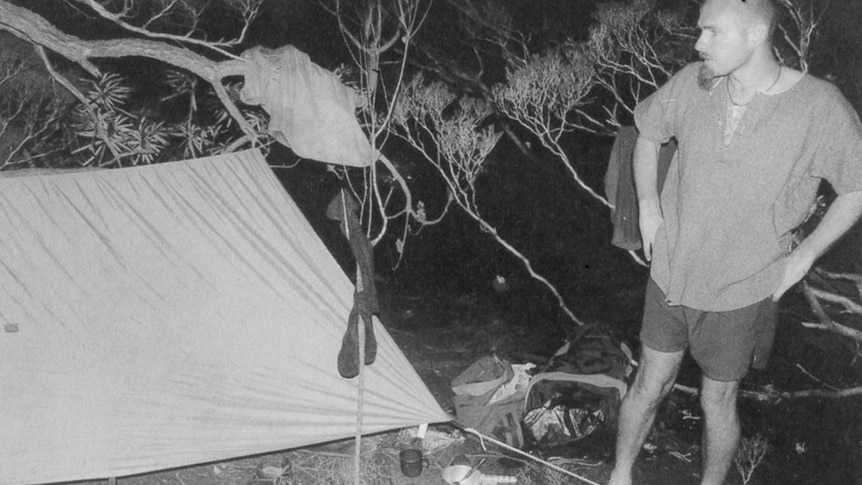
(764, 11)
(754, 12)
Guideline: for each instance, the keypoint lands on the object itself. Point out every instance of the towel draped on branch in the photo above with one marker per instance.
(310, 110)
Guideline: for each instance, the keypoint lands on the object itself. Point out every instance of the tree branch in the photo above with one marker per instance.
(83, 100)
(31, 27)
(117, 19)
(773, 395)
(826, 322)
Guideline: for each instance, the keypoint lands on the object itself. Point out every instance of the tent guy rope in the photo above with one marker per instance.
(483, 438)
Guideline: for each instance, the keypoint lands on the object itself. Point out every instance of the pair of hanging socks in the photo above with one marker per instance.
(348, 356)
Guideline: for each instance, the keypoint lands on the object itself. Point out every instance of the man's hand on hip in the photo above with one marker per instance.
(839, 218)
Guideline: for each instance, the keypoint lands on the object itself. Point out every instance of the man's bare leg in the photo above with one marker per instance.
(721, 429)
(655, 377)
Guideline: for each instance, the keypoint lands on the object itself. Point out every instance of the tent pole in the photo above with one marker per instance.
(357, 460)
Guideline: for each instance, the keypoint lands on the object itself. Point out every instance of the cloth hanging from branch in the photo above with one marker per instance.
(310, 110)
(345, 209)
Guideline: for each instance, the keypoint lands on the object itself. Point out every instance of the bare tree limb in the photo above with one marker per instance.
(854, 391)
(814, 295)
(188, 39)
(773, 395)
(842, 300)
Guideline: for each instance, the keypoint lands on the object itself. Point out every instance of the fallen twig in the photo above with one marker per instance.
(802, 369)
(774, 395)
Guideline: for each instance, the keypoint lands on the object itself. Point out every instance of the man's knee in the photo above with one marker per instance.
(718, 396)
(650, 386)
(657, 374)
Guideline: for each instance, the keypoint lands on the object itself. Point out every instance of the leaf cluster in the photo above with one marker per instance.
(107, 132)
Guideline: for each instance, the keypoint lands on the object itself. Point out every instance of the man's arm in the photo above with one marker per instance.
(645, 163)
(842, 214)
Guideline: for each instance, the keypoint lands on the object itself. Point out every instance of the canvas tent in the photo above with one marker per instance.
(174, 314)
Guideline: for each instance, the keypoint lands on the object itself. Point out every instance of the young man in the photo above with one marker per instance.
(755, 139)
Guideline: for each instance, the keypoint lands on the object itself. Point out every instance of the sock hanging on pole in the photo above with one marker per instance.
(345, 208)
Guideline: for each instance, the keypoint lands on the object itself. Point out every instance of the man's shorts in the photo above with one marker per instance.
(724, 344)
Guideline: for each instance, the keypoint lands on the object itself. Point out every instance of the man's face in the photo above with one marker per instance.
(724, 43)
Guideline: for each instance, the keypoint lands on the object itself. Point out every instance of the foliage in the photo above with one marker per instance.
(749, 455)
(797, 31)
(546, 95)
(635, 48)
(593, 85)
(104, 132)
(29, 119)
(546, 87)
(30, 107)
(447, 131)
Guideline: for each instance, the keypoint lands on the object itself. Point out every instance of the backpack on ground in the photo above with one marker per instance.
(479, 403)
(577, 390)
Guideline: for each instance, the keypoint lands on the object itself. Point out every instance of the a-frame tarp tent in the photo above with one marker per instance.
(174, 314)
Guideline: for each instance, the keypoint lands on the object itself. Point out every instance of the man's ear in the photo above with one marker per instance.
(758, 33)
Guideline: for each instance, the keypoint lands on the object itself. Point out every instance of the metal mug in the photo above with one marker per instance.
(412, 462)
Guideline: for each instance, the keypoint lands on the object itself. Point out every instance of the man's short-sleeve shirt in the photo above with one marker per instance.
(729, 208)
